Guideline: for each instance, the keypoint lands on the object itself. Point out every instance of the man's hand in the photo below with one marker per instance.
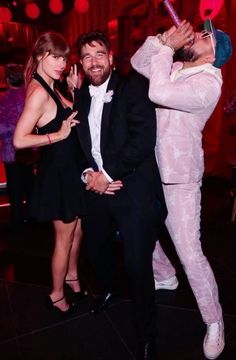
(74, 79)
(89, 175)
(97, 182)
(113, 187)
(176, 38)
(167, 33)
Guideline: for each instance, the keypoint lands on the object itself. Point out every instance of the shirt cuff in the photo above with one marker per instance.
(155, 41)
(84, 175)
(168, 49)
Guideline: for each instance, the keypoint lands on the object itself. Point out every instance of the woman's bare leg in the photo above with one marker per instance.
(72, 273)
(64, 233)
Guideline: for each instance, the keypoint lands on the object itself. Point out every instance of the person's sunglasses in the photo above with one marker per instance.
(205, 34)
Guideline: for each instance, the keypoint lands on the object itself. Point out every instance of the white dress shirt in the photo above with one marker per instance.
(97, 94)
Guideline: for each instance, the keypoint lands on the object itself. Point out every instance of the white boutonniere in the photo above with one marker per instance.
(108, 96)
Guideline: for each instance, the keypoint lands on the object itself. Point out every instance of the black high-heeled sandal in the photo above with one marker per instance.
(50, 305)
(77, 295)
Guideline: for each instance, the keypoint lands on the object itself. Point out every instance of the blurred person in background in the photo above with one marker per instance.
(19, 165)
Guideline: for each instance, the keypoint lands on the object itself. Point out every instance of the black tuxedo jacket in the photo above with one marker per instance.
(128, 137)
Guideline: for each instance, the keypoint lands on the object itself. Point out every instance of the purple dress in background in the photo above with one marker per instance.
(11, 106)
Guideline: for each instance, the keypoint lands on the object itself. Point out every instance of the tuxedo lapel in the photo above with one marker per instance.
(83, 97)
(112, 85)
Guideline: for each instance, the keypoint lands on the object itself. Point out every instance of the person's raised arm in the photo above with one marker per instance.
(35, 107)
(141, 60)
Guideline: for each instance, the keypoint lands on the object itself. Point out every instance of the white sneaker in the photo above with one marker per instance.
(168, 284)
(214, 342)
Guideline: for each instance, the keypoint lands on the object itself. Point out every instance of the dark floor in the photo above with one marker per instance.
(29, 332)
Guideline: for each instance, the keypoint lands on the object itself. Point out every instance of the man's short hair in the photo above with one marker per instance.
(98, 36)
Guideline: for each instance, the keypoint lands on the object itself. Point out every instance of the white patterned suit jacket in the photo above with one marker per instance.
(186, 98)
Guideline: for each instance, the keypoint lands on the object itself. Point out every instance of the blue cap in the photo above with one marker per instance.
(223, 49)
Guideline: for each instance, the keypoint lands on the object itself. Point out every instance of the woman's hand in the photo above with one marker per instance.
(67, 124)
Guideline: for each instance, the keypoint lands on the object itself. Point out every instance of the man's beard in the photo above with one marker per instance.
(100, 79)
(186, 54)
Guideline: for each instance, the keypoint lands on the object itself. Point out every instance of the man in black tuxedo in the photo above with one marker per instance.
(117, 132)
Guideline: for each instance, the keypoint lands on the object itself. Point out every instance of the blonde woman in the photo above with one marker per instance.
(57, 195)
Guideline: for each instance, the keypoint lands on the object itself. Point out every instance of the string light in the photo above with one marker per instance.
(32, 10)
(81, 6)
(5, 14)
(56, 6)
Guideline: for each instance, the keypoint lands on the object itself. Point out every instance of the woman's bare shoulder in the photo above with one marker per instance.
(36, 93)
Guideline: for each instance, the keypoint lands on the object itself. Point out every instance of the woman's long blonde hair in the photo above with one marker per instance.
(49, 42)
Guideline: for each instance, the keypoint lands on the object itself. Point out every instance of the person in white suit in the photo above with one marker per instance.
(186, 93)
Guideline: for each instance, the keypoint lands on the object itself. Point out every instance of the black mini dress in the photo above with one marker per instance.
(58, 188)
